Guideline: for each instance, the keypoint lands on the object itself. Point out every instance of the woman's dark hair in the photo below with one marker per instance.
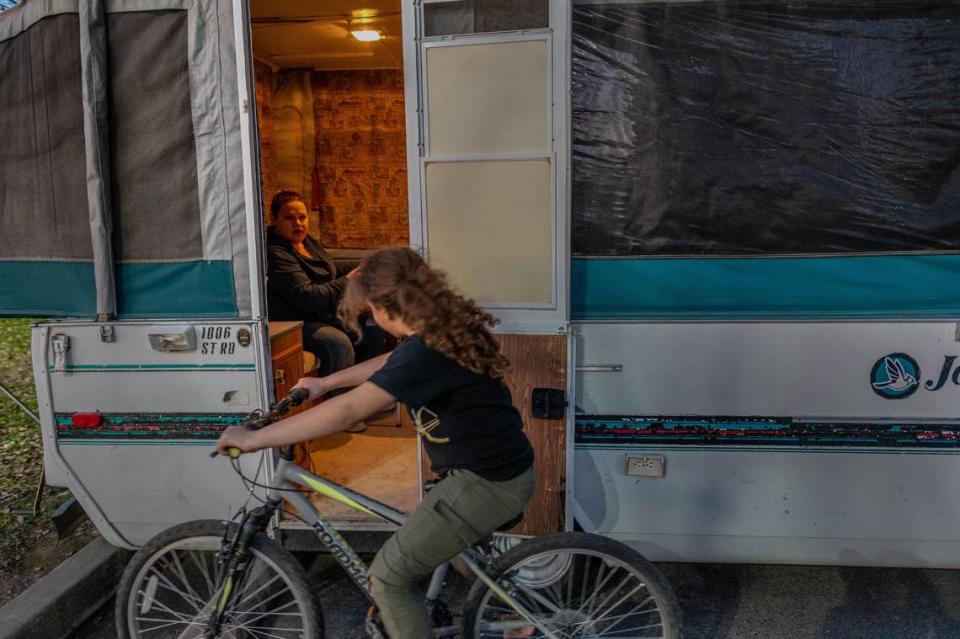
(281, 198)
(400, 282)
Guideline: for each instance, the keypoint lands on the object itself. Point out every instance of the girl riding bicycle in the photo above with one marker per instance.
(448, 370)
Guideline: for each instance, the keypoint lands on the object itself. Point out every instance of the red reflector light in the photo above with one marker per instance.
(86, 420)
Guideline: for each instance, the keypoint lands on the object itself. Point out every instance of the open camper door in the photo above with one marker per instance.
(129, 208)
(486, 97)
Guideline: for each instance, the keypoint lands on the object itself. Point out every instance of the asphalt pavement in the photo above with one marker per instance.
(733, 602)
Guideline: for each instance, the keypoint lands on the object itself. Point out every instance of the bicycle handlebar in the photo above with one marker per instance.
(253, 421)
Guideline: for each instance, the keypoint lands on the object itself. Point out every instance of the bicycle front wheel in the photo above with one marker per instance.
(174, 582)
(577, 585)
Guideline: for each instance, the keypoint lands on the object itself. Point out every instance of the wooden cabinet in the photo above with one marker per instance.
(286, 355)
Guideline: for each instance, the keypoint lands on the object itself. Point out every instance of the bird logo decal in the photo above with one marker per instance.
(895, 376)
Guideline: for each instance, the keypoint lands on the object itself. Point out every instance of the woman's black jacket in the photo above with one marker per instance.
(299, 288)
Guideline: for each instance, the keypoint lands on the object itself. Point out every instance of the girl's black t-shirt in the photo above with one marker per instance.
(465, 420)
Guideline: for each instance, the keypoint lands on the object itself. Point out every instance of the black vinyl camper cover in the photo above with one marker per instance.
(746, 127)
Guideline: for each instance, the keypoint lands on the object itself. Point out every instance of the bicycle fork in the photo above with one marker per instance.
(235, 554)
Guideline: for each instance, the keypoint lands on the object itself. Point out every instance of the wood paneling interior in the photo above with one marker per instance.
(360, 162)
(540, 361)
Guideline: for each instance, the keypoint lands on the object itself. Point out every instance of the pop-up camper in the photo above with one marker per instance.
(721, 238)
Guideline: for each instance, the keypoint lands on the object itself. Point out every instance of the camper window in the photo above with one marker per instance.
(483, 16)
(42, 68)
(730, 128)
(151, 126)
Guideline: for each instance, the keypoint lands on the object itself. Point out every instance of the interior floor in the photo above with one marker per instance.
(380, 462)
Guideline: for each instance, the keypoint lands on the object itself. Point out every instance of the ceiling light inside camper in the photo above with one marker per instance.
(366, 35)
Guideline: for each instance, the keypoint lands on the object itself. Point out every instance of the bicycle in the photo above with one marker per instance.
(213, 578)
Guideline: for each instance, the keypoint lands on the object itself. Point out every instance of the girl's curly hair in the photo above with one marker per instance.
(400, 282)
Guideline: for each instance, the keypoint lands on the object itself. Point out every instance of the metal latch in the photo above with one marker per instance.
(107, 334)
(548, 403)
(61, 344)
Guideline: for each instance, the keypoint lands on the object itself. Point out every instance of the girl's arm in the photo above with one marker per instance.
(327, 418)
(346, 378)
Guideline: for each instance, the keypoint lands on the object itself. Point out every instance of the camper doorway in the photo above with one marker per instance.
(329, 89)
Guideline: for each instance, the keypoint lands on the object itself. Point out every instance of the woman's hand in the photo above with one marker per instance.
(237, 437)
(316, 386)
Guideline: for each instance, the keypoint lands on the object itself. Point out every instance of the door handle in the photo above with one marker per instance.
(600, 368)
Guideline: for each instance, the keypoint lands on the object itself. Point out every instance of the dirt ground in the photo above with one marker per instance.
(29, 547)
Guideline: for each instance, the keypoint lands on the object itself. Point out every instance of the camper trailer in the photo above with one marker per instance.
(721, 239)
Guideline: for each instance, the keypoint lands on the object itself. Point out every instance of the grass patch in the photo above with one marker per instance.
(21, 462)
(20, 451)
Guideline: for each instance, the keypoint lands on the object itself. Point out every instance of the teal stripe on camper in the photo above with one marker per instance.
(889, 286)
(177, 289)
(47, 289)
(150, 290)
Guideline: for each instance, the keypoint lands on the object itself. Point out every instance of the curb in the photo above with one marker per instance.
(64, 598)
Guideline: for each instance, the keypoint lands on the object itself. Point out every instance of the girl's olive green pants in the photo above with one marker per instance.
(460, 510)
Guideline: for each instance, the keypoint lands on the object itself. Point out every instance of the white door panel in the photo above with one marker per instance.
(785, 369)
(488, 172)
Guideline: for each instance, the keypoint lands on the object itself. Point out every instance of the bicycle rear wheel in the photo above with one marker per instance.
(579, 585)
(174, 582)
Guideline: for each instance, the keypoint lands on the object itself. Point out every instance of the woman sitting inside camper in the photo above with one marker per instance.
(303, 283)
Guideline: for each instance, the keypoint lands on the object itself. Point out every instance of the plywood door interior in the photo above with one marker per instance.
(380, 462)
(538, 361)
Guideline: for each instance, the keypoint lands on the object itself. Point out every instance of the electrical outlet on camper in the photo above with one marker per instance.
(645, 466)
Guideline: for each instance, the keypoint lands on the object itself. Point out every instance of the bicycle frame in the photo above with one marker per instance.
(289, 476)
